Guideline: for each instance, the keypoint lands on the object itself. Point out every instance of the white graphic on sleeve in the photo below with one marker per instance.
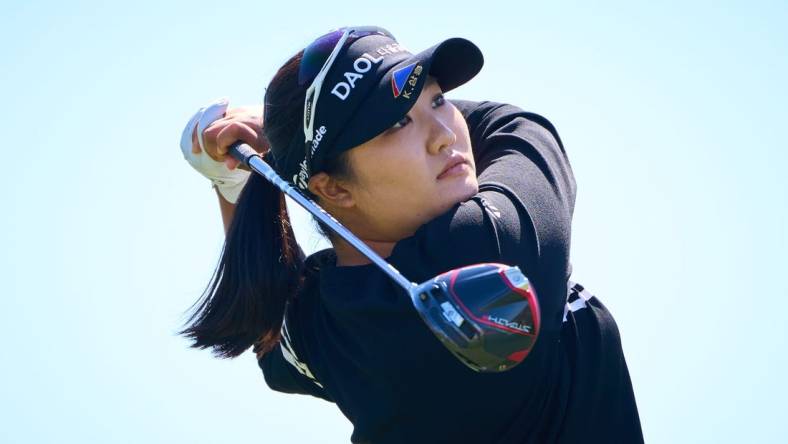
(292, 358)
(576, 298)
(495, 212)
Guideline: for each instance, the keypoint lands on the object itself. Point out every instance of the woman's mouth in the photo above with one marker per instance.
(456, 166)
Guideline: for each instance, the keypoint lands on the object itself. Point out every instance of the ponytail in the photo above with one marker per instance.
(261, 267)
(259, 271)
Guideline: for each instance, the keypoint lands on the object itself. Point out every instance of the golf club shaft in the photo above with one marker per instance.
(248, 156)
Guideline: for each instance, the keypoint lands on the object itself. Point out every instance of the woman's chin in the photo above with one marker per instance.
(461, 190)
(467, 188)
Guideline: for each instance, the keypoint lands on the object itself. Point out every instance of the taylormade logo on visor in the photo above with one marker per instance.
(361, 66)
(319, 133)
(301, 179)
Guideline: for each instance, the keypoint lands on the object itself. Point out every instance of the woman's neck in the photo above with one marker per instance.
(347, 255)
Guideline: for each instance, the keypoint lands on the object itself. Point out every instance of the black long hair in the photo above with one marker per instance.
(261, 266)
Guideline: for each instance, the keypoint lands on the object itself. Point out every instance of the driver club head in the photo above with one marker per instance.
(487, 315)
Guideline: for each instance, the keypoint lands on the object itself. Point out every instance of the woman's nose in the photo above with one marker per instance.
(441, 135)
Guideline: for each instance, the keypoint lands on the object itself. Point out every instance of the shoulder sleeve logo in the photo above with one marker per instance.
(290, 356)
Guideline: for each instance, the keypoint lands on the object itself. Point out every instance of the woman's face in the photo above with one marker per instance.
(414, 171)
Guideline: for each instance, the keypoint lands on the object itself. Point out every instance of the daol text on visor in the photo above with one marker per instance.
(360, 66)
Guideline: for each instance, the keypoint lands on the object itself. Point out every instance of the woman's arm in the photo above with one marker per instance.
(227, 209)
(241, 123)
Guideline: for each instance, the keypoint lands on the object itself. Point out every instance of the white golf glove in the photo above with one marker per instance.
(228, 182)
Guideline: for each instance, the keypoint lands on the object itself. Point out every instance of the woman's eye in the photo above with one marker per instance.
(438, 101)
(402, 122)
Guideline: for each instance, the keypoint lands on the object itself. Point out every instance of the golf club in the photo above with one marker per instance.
(485, 314)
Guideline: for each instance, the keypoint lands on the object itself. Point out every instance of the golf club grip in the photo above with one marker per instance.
(251, 158)
(242, 152)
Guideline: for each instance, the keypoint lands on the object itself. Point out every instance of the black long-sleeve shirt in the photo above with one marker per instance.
(353, 338)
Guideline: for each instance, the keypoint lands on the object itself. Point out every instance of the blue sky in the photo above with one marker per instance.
(673, 114)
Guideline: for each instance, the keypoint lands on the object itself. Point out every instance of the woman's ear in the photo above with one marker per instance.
(330, 191)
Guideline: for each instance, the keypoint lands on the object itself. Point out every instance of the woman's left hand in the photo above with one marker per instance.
(243, 123)
(208, 136)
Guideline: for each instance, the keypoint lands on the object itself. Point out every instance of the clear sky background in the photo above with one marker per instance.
(673, 115)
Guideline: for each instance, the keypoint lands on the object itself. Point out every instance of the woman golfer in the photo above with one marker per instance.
(361, 125)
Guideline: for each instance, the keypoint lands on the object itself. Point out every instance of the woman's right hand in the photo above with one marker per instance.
(208, 136)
